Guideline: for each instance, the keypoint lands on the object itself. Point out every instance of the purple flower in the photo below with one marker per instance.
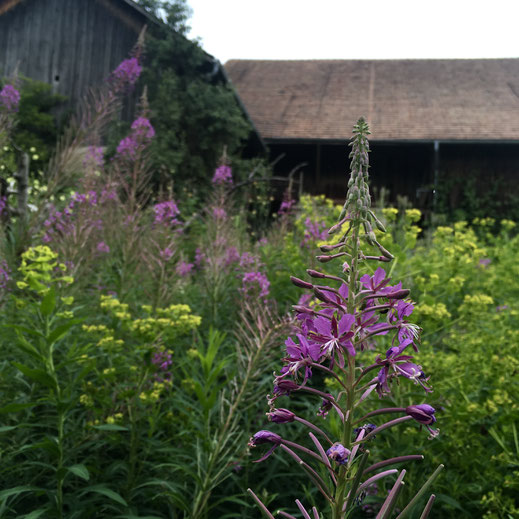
(282, 387)
(127, 147)
(285, 207)
(247, 260)
(281, 415)
(184, 269)
(9, 98)
(102, 247)
(94, 157)
(219, 213)
(367, 428)
(142, 128)
(334, 337)
(484, 262)
(126, 74)
(142, 132)
(200, 258)
(396, 364)
(262, 437)
(254, 281)
(338, 453)
(232, 256)
(301, 355)
(162, 359)
(423, 413)
(166, 213)
(5, 274)
(222, 175)
(326, 406)
(3, 205)
(376, 282)
(166, 254)
(314, 231)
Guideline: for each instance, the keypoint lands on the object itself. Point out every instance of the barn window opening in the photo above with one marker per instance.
(56, 77)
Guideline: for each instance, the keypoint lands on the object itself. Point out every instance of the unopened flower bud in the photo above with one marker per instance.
(315, 274)
(300, 283)
(264, 437)
(322, 296)
(326, 259)
(399, 294)
(281, 416)
(377, 222)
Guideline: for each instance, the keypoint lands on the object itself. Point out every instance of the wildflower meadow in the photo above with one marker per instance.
(168, 353)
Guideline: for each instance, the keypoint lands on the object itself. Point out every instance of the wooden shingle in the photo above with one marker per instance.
(455, 100)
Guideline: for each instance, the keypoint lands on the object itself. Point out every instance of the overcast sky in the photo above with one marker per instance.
(360, 29)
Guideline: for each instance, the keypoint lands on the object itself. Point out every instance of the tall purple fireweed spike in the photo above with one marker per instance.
(337, 336)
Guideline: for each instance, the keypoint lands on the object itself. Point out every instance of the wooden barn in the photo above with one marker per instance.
(449, 126)
(70, 45)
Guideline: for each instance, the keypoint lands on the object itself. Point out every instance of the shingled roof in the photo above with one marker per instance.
(459, 99)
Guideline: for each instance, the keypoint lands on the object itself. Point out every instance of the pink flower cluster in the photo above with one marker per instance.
(94, 157)
(314, 231)
(60, 223)
(222, 175)
(184, 268)
(255, 284)
(166, 213)
(162, 361)
(9, 98)
(138, 140)
(5, 274)
(142, 128)
(126, 74)
(286, 206)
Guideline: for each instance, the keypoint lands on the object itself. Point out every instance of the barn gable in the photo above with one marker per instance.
(70, 45)
(438, 126)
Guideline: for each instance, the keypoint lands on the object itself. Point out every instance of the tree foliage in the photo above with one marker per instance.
(193, 110)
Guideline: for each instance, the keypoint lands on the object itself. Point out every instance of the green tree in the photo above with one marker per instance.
(193, 109)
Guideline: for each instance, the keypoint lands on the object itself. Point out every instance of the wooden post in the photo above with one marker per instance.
(22, 178)
(317, 166)
(436, 172)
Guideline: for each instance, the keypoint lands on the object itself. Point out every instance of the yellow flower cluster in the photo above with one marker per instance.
(37, 268)
(477, 300)
(507, 225)
(171, 321)
(117, 417)
(390, 213)
(434, 311)
(113, 306)
(484, 222)
(413, 215)
(154, 394)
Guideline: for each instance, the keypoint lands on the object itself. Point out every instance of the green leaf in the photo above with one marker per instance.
(38, 375)
(79, 470)
(449, 500)
(59, 331)
(4, 494)
(13, 408)
(104, 491)
(405, 512)
(6, 428)
(48, 303)
(110, 427)
(35, 514)
(26, 346)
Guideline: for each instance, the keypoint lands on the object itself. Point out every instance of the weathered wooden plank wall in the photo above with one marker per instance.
(70, 44)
